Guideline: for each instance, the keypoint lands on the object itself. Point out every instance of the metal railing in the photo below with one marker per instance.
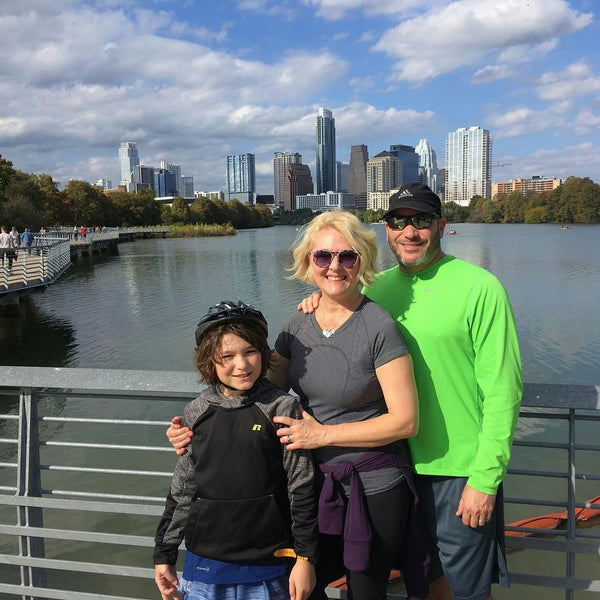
(41, 264)
(81, 493)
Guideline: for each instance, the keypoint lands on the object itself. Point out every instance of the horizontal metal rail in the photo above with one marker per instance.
(72, 479)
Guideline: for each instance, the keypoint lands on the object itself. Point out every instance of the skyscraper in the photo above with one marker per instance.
(241, 178)
(175, 169)
(428, 171)
(281, 160)
(357, 175)
(468, 165)
(298, 182)
(325, 164)
(410, 162)
(384, 173)
(128, 160)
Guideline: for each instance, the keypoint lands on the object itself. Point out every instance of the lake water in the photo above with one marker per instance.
(139, 309)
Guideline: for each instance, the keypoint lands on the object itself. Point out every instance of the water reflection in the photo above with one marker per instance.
(138, 310)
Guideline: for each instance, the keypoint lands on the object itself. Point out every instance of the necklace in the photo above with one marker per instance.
(329, 331)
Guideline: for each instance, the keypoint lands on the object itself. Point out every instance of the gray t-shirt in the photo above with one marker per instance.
(335, 376)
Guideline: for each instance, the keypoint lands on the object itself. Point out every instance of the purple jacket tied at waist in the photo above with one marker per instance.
(353, 521)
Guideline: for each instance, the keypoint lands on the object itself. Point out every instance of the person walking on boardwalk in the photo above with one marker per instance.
(350, 367)
(27, 239)
(5, 245)
(460, 330)
(241, 501)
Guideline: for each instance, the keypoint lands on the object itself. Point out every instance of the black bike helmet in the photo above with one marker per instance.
(226, 312)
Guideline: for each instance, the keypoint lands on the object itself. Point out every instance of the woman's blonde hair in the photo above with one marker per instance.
(360, 238)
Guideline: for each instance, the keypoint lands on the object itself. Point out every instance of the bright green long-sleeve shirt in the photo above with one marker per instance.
(460, 329)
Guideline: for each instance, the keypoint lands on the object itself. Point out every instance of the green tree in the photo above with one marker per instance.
(454, 213)
(180, 210)
(512, 207)
(537, 214)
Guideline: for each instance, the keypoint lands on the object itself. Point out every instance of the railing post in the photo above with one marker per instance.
(29, 484)
(571, 523)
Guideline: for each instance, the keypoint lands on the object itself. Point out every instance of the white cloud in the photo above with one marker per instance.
(523, 121)
(467, 31)
(337, 9)
(491, 73)
(576, 80)
(579, 160)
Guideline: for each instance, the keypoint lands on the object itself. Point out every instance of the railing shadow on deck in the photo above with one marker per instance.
(86, 466)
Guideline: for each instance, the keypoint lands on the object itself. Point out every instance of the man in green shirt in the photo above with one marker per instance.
(460, 330)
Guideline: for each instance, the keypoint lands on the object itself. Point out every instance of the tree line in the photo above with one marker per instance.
(34, 201)
(576, 200)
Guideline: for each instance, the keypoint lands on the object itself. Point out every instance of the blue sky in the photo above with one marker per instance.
(193, 81)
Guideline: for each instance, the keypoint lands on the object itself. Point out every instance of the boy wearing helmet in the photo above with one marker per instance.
(238, 499)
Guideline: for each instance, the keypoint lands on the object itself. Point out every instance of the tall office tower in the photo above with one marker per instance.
(341, 176)
(241, 178)
(325, 164)
(280, 162)
(357, 175)
(298, 182)
(143, 177)
(384, 173)
(176, 170)
(165, 183)
(410, 162)
(468, 165)
(129, 160)
(428, 171)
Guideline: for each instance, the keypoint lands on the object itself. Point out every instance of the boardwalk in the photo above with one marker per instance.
(51, 255)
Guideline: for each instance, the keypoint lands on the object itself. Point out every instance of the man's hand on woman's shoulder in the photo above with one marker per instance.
(310, 304)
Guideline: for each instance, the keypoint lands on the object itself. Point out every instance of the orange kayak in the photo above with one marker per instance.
(554, 520)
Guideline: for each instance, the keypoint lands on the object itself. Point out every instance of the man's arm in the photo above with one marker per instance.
(500, 381)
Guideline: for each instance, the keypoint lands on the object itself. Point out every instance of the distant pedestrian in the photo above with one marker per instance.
(15, 237)
(83, 231)
(6, 247)
(27, 239)
(75, 232)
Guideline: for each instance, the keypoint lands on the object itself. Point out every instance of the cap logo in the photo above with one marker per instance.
(405, 194)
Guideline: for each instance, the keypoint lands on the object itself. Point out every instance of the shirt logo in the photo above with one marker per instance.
(256, 427)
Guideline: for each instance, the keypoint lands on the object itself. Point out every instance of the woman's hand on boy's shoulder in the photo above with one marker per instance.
(179, 436)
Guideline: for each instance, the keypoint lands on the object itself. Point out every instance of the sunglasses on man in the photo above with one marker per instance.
(418, 221)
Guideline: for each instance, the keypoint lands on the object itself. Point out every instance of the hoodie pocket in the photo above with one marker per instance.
(236, 530)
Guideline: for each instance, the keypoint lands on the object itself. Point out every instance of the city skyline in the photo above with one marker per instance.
(199, 81)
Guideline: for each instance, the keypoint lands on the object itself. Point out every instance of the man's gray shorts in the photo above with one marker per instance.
(471, 559)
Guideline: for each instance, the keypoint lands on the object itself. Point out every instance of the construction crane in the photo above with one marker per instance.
(499, 164)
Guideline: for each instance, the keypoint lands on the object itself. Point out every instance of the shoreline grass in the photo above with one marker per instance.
(201, 230)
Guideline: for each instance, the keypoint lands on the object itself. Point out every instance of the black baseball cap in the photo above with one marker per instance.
(417, 196)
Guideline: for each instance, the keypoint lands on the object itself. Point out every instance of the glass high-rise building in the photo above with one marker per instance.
(468, 165)
(357, 175)
(176, 170)
(128, 161)
(428, 170)
(410, 162)
(325, 163)
(281, 160)
(241, 178)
